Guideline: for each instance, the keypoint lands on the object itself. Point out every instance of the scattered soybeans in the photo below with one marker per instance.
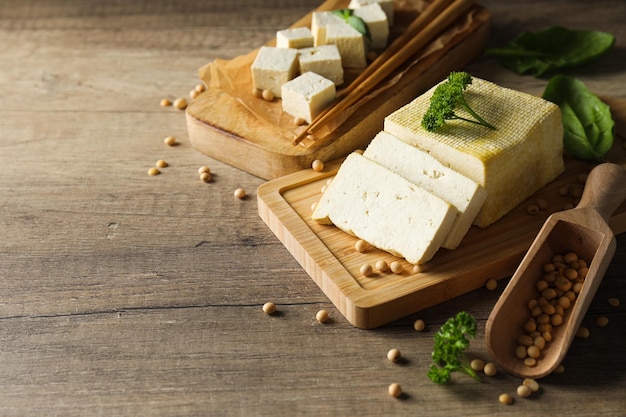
(193, 93)
(382, 265)
(524, 391)
(269, 308)
(205, 177)
(299, 121)
(582, 332)
(602, 321)
(360, 246)
(478, 365)
(170, 141)
(559, 369)
(613, 302)
(240, 193)
(322, 316)
(396, 267)
(204, 169)
(165, 102)
(417, 269)
(505, 399)
(199, 88)
(490, 369)
(154, 171)
(491, 284)
(395, 390)
(257, 93)
(542, 203)
(394, 355)
(532, 384)
(419, 325)
(180, 103)
(317, 165)
(161, 163)
(267, 95)
(557, 290)
(532, 209)
(366, 270)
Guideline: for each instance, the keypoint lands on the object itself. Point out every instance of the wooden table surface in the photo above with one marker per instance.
(126, 294)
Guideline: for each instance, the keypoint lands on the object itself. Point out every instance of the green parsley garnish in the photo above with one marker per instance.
(448, 96)
(449, 350)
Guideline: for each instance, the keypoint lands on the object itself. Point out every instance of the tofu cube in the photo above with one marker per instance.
(376, 21)
(330, 29)
(324, 60)
(300, 37)
(307, 95)
(273, 67)
(386, 5)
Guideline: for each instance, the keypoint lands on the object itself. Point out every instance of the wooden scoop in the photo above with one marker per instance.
(582, 230)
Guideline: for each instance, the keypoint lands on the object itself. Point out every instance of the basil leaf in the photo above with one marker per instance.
(587, 122)
(554, 48)
(355, 21)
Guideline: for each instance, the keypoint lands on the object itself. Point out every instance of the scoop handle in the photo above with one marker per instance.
(605, 189)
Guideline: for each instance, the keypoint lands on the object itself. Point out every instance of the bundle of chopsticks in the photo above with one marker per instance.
(437, 17)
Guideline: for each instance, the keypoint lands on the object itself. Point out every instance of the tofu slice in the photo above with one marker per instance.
(379, 206)
(511, 163)
(425, 171)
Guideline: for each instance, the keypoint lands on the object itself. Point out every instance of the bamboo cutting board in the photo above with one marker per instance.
(328, 255)
(220, 126)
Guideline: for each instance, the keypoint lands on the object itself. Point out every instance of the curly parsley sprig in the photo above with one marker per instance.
(449, 350)
(448, 96)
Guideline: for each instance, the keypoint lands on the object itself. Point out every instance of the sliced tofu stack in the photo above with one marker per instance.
(388, 211)
(428, 173)
(511, 163)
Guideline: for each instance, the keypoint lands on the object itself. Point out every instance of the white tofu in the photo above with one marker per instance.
(386, 210)
(300, 37)
(330, 29)
(324, 60)
(307, 95)
(425, 171)
(376, 21)
(386, 5)
(273, 67)
(511, 163)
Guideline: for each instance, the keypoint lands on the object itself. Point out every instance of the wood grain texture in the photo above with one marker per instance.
(329, 257)
(123, 294)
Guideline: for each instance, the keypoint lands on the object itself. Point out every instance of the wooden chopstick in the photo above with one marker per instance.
(423, 31)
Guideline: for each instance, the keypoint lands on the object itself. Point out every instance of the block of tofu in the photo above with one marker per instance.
(425, 171)
(324, 60)
(511, 163)
(386, 5)
(376, 21)
(386, 210)
(272, 67)
(300, 37)
(307, 95)
(330, 29)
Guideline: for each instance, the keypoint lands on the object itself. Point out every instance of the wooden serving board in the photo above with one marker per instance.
(329, 257)
(221, 127)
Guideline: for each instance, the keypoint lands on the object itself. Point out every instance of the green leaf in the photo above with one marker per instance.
(587, 123)
(551, 49)
(355, 21)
